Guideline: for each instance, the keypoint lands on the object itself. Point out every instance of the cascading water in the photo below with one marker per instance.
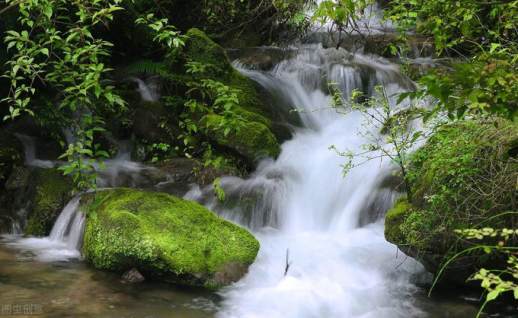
(148, 89)
(65, 239)
(29, 147)
(368, 21)
(316, 260)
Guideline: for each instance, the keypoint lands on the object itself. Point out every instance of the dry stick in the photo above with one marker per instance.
(287, 268)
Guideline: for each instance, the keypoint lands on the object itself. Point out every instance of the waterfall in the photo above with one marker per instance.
(148, 90)
(65, 240)
(121, 171)
(69, 225)
(324, 227)
(369, 21)
(29, 147)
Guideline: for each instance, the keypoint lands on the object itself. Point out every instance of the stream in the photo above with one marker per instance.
(323, 252)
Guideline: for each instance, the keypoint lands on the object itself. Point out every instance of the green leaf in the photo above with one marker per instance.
(492, 295)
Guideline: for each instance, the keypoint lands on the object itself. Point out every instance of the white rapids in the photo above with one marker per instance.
(312, 217)
(65, 240)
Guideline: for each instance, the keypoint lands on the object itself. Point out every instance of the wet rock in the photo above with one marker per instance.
(229, 273)
(260, 58)
(253, 141)
(133, 276)
(19, 178)
(147, 122)
(49, 191)
(33, 198)
(255, 113)
(25, 124)
(373, 43)
(177, 175)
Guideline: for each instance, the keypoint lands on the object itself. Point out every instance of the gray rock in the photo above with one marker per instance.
(18, 179)
(133, 276)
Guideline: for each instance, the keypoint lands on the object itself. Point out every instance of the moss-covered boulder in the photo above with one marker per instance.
(165, 238)
(257, 116)
(252, 140)
(200, 48)
(464, 177)
(162, 122)
(394, 219)
(50, 192)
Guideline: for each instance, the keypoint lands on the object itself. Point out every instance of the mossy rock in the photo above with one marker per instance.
(393, 220)
(253, 140)
(11, 155)
(159, 122)
(149, 122)
(165, 238)
(51, 193)
(200, 48)
(464, 177)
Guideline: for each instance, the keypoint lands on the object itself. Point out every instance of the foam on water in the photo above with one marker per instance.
(65, 240)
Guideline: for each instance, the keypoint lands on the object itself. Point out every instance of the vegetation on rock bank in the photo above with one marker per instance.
(77, 78)
(463, 178)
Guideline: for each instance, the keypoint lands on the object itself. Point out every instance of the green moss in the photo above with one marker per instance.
(465, 174)
(394, 219)
(253, 140)
(199, 47)
(249, 98)
(253, 117)
(52, 192)
(163, 236)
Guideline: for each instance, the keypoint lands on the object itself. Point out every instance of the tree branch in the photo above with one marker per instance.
(12, 5)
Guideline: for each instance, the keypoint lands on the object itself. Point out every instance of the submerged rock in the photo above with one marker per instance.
(133, 276)
(165, 238)
(463, 178)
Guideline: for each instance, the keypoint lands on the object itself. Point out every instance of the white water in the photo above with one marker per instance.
(148, 90)
(338, 269)
(29, 147)
(121, 171)
(116, 172)
(64, 241)
(368, 21)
